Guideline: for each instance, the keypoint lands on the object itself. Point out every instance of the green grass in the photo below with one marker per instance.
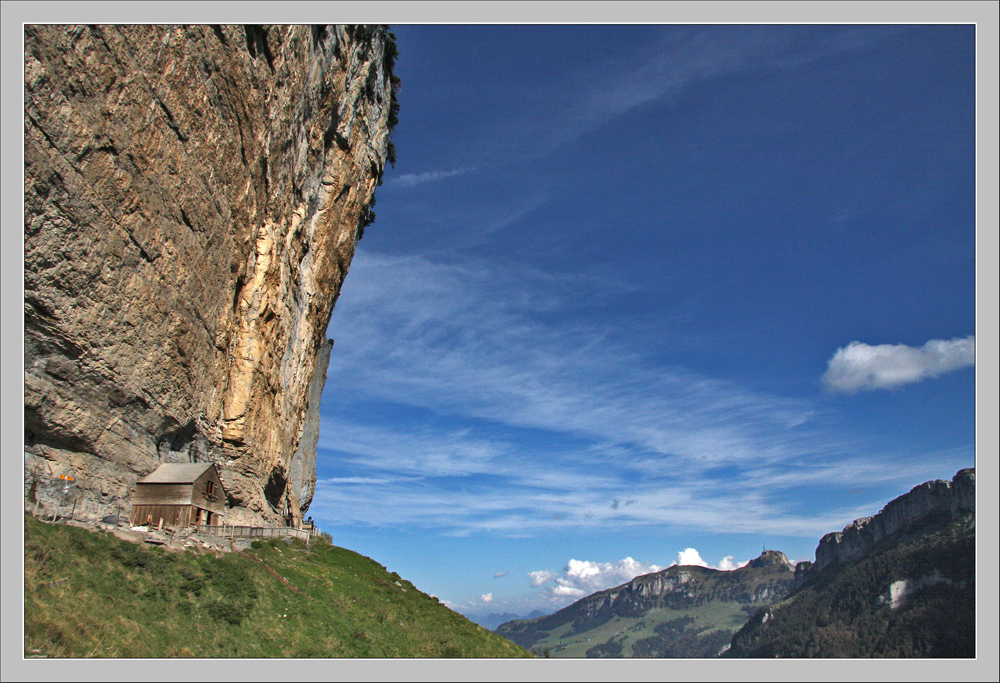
(629, 631)
(90, 594)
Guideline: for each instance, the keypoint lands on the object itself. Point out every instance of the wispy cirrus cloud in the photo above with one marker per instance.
(680, 58)
(863, 367)
(414, 179)
(469, 339)
(527, 505)
(485, 415)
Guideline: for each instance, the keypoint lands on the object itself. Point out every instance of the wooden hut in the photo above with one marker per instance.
(178, 495)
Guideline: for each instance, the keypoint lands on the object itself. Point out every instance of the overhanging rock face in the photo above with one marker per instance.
(193, 199)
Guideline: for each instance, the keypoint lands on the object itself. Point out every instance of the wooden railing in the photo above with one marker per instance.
(231, 531)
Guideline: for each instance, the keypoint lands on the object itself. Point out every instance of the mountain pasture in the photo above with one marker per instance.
(90, 594)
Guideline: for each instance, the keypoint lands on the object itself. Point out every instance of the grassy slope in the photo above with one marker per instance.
(626, 632)
(120, 599)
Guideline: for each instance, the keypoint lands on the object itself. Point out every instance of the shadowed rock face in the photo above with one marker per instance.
(899, 584)
(956, 499)
(193, 199)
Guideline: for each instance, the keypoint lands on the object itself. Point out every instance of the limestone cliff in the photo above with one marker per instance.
(899, 584)
(193, 199)
(768, 577)
(956, 499)
(681, 611)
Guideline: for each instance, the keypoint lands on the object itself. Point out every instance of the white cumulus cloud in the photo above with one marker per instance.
(541, 576)
(728, 564)
(690, 556)
(580, 578)
(486, 597)
(862, 367)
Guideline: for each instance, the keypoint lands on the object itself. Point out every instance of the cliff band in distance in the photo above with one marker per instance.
(193, 199)
(956, 499)
(681, 611)
(899, 584)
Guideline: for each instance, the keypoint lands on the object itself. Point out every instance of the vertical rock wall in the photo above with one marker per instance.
(193, 199)
(956, 498)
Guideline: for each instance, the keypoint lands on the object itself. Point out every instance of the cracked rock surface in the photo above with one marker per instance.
(193, 199)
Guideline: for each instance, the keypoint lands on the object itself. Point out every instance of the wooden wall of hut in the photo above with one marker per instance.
(173, 516)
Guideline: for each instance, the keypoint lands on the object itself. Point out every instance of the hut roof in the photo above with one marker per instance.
(176, 473)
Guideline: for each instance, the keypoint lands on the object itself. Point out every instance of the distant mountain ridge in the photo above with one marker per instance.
(899, 584)
(494, 619)
(683, 610)
(956, 498)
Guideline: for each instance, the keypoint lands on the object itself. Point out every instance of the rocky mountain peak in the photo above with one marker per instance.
(683, 610)
(770, 558)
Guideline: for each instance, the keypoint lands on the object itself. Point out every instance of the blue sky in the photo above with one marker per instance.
(636, 290)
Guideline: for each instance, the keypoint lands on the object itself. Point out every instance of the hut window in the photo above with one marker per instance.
(210, 488)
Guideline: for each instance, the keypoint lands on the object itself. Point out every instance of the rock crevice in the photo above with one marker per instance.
(189, 222)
